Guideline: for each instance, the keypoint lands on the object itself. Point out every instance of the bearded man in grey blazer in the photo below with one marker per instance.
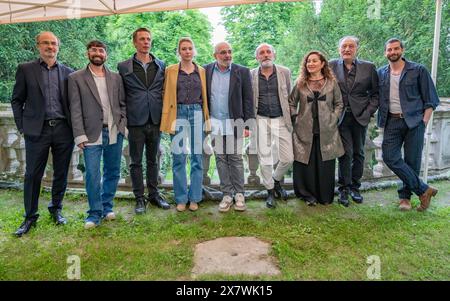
(271, 87)
(358, 81)
(97, 100)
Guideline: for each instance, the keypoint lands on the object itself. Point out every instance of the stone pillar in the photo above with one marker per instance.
(74, 173)
(126, 155)
(207, 153)
(253, 164)
(380, 169)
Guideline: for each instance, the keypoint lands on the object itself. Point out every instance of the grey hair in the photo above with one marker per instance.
(38, 36)
(220, 43)
(265, 44)
(355, 39)
(186, 39)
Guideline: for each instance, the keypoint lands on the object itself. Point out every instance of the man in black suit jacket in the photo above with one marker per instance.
(231, 107)
(143, 79)
(41, 112)
(358, 81)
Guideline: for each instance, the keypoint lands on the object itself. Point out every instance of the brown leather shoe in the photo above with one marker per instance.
(405, 205)
(425, 198)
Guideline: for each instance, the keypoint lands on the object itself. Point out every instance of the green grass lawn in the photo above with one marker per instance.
(319, 243)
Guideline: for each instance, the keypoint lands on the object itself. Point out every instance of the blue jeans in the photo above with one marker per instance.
(101, 191)
(396, 135)
(189, 126)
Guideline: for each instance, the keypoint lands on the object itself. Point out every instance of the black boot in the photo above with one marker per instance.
(25, 227)
(140, 205)
(58, 218)
(343, 197)
(279, 191)
(356, 196)
(270, 201)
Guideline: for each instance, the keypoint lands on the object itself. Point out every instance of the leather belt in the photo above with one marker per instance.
(348, 109)
(105, 126)
(53, 122)
(396, 115)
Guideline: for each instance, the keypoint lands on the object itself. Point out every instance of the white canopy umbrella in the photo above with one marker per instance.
(12, 11)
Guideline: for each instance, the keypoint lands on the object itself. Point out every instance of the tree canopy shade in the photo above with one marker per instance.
(12, 11)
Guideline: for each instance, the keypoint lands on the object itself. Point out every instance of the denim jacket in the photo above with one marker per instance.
(417, 93)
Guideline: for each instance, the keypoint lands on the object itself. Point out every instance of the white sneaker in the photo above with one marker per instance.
(225, 204)
(110, 216)
(239, 202)
(89, 225)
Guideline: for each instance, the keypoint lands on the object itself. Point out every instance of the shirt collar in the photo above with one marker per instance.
(273, 72)
(141, 63)
(44, 64)
(195, 68)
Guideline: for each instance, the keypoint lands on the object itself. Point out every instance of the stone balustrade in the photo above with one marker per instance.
(12, 156)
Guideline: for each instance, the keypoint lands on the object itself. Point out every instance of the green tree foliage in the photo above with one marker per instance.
(410, 20)
(250, 25)
(167, 28)
(17, 41)
(17, 45)
(295, 28)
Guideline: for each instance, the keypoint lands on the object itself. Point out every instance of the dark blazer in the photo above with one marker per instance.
(86, 105)
(28, 103)
(142, 101)
(363, 95)
(240, 97)
(416, 89)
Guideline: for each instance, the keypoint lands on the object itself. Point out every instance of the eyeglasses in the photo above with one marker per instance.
(223, 52)
(48, 43)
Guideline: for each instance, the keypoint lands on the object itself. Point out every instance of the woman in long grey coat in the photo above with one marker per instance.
(316, 105)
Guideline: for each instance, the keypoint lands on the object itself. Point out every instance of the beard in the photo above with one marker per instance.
(267, 63)
(394, 58)
(97, 61)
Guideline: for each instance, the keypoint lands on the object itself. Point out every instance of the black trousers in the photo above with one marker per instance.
(315, 180)
(351, 164)
(59, 140)
(139, 136)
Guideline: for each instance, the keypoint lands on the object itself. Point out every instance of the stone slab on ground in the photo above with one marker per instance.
(234, 256)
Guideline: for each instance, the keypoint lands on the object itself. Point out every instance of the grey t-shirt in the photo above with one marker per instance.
(394, 95)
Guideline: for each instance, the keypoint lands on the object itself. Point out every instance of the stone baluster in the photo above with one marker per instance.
(207, 153)
(369, 150)
(380, 169)
(74, 173)
(253, 163)
(126, 155)
(159, 159)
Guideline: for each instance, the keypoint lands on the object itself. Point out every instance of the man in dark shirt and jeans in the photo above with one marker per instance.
(143, 78)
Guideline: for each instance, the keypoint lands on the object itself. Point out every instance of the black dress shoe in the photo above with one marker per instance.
(25, 227)
(356, 196)
(343, 198)
(140, 206)
(311, 202)
(279, 190)
(270, 200)
(160, 202)
(58, 218)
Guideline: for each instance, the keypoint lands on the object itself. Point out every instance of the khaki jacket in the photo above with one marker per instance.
(329, 111)
(169, 110)
(284, 88)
